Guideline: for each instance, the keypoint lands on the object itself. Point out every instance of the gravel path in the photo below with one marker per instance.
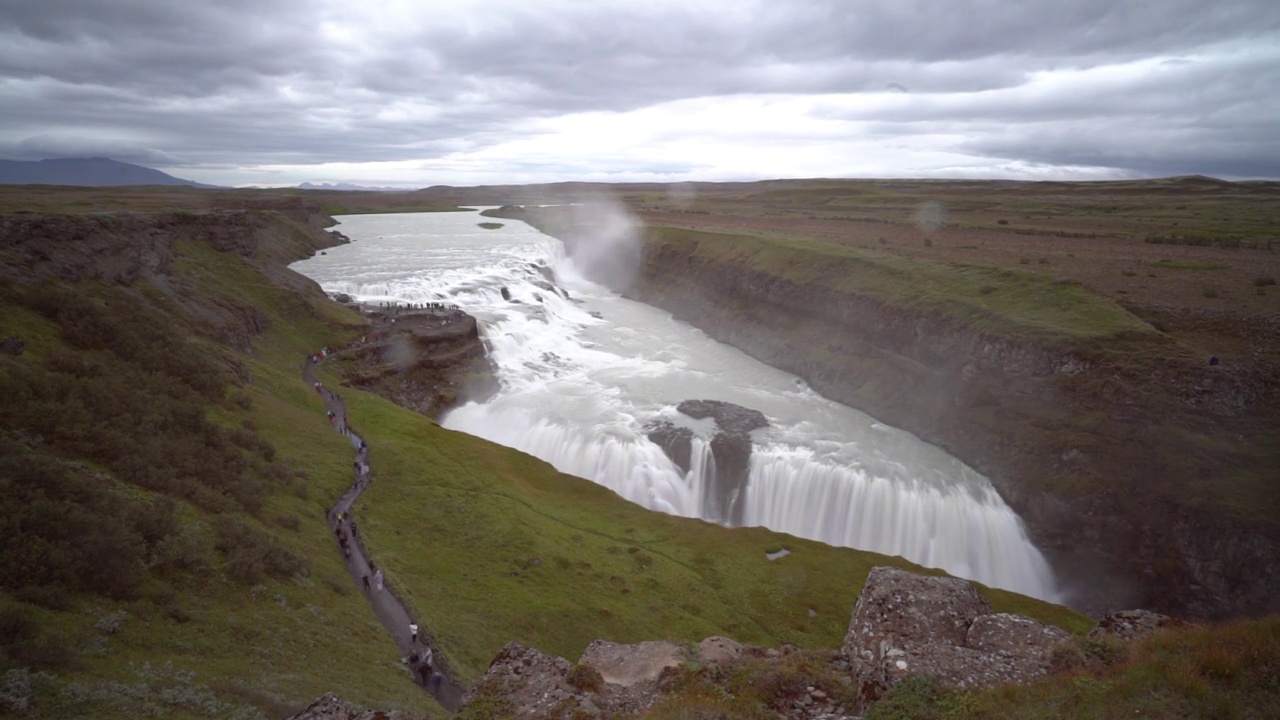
(386, 605)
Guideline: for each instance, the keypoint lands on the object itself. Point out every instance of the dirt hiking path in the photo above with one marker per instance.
(386, 605)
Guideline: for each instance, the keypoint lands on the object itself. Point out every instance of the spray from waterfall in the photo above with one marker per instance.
(605, 240)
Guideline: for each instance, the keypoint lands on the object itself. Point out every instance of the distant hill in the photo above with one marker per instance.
(346, 186)
(88, 172)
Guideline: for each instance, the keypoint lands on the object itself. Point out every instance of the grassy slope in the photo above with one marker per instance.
(490, 545)
(207, 646)
(1003, 302)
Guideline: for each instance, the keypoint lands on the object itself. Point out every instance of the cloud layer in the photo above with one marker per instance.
(482, 91)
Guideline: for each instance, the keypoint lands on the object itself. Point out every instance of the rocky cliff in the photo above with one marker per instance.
(1115, 450)
(425, 360)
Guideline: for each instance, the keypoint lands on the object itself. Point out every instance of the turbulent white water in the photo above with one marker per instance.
(583, 377)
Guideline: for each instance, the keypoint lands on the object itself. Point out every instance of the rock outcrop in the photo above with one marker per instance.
(906, 624)
(424, 360)
(529, 683)
(1130, 624)
(332, 707)
(730, 449)
(903, 624)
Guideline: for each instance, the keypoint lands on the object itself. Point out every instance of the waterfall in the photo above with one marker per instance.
(586, 374)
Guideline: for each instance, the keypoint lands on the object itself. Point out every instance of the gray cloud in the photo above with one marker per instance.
(1119, 85)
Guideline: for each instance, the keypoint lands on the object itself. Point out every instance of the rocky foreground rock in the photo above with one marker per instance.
(903, 624)
(907, 624)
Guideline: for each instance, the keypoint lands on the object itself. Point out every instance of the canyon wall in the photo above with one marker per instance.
(1116, 451)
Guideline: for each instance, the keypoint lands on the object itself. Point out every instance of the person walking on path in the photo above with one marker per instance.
(377, 579)
(413, 633)
(366, 582)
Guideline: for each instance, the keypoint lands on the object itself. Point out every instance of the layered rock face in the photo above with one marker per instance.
(426, 361)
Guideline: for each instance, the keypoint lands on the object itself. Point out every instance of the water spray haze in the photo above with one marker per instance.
(932, 215)
(605, 243)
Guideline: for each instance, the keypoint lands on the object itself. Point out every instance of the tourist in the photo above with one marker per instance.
(377, 580)
(365, 578)
(413, 633)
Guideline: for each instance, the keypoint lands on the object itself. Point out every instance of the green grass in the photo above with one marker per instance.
(1228, 671)
(201, 644)
(1001, 302)
(491, 545)
(1221, 672)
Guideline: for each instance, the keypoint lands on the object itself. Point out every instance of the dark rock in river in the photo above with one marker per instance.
(730, 450)
(676, 442)
(728, 417)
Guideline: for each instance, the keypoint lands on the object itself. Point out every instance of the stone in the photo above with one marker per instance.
(719, 649)
(13, 345)
(332, 707)
(630, 665)
(1128, 624)
(907, 624)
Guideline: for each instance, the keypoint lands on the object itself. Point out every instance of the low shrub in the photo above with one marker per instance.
(252, 553)
(585, 678)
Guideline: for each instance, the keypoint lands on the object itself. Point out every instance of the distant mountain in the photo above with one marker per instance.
(346, 186)
(90, 172)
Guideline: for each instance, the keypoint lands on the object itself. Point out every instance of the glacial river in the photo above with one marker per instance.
(583, 376)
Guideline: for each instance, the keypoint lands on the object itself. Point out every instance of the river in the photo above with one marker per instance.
(583, 376)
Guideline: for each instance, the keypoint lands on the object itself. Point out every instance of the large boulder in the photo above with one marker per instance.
(729, 418)
(907, 624)
(630, 665)
(609, 680)
(1129, 624)
(526, 679)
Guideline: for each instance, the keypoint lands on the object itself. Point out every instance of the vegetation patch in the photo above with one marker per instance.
(1029, 305)
(1172, 265)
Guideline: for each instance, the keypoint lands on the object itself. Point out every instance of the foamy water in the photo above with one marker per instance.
(583, 376)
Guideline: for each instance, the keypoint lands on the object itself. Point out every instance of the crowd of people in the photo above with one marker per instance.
(345, 530)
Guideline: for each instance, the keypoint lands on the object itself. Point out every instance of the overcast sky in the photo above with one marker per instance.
(462, 92)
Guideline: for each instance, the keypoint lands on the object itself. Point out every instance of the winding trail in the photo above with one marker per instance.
(386, 605)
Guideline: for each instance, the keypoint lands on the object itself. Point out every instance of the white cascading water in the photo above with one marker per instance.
(583, 378)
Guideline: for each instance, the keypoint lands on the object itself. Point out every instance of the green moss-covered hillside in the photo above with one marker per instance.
(165, 473)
